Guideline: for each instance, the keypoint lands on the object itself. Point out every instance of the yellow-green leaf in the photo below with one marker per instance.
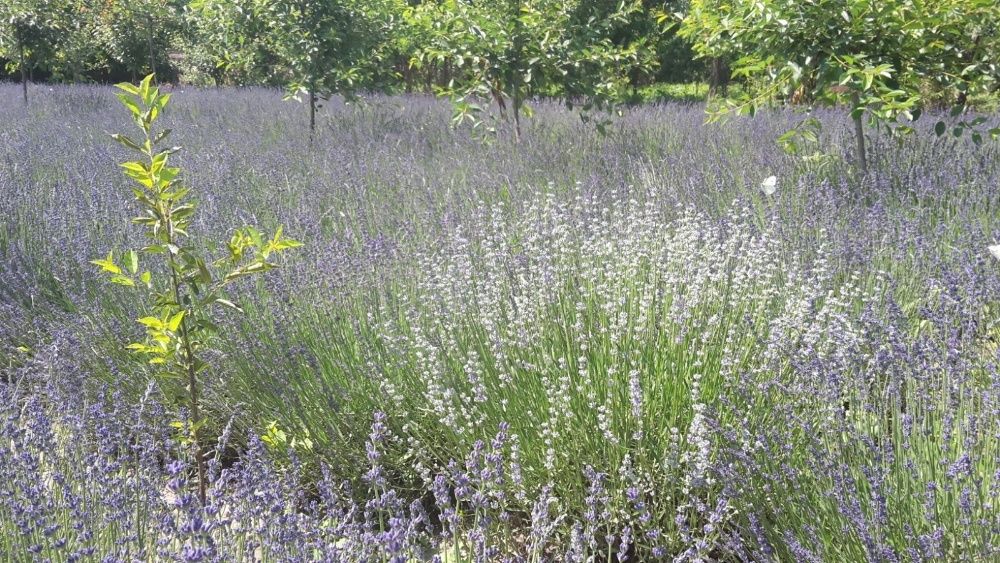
(122, 280)
(108, 264)
(128, 88)
(175, 322)
(132, 261)
(151, 322)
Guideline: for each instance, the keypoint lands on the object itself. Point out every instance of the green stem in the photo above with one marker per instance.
(189, 359)
(189, 364)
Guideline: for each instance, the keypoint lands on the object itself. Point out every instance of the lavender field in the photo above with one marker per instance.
(573, 348)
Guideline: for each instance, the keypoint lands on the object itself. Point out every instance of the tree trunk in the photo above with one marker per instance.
(859, 133)
(517, 116)
(408, 76)
(149, 41)
(498, 98)
(24, 75)
(191, 371)
(718, 78)
(217, 75)
(312, 115)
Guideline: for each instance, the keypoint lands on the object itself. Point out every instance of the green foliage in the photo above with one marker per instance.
(137, 34)
(81, 40)
(674, 92)
(881, 56)
(510, 51)
(74, 39)
(325, 47)
(229, 41)
(78, 49)
(179, 325)
(28, 32)
(884, 51)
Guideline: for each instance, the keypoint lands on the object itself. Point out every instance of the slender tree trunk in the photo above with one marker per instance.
(859, 133)
(149, 42)
(190, 368)
(446, 79)
(24, 74)
(517, 116)
(312, 115)
(718, 78)
(199, 453)
(217, 75)
(190, 364)
(498, 98)
(408, 76)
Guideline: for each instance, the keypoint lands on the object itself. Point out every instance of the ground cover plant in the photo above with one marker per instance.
(628, 347)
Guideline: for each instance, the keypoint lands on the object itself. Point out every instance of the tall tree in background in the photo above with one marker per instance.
(29, 30)
(79, 49)
(230, 41)
(138, 33)
(879, 55)
(717, 49)
(628, 29)
(510, 50)
(325, 48)
(650, 26)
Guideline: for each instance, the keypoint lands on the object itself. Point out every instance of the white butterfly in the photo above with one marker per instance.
(769, 185)
(995, 251)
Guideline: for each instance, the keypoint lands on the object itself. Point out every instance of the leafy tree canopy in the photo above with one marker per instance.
(890, 58)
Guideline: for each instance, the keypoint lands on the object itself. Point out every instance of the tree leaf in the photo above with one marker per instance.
(131, 259)
(175, 321)
(126, 142)
(161, 135)
(129, 88)
(229, 304)
(122, 280)
(108, 264)
(151, 322)
(129, 102)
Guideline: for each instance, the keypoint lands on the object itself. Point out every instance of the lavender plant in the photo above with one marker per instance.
(180, 325)
(665, 353)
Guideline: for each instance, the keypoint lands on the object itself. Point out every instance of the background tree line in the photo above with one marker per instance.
(366, 43)
(886, 59)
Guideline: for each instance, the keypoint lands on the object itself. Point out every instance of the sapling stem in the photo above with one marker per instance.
(180, 324)
(189, 363)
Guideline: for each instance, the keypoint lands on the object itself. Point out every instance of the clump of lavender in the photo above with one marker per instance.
(812, 376)
(720, 378)
(115, 485)
(633, 321)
